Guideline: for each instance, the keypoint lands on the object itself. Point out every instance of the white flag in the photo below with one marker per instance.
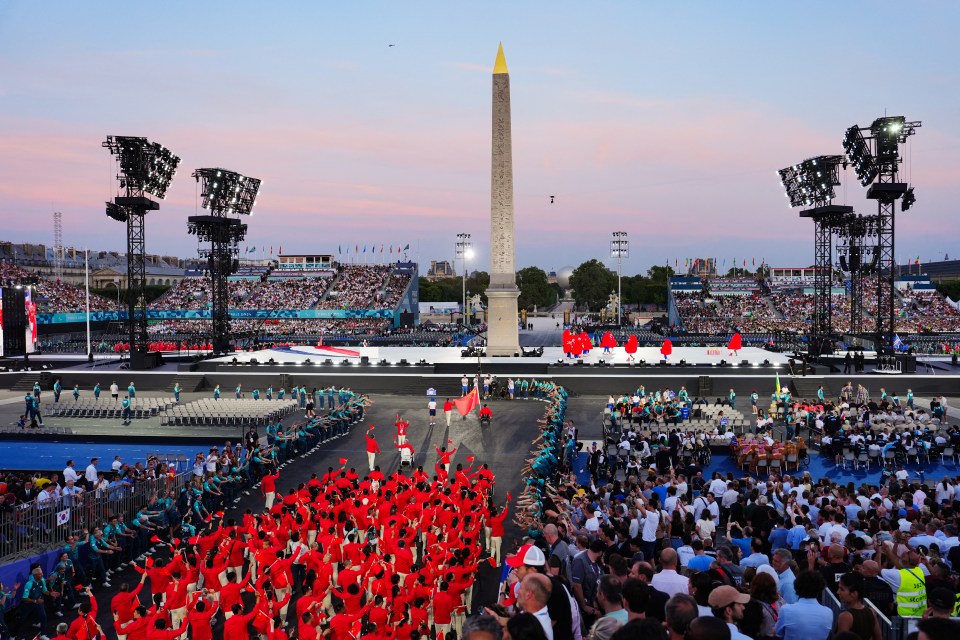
(63, 517)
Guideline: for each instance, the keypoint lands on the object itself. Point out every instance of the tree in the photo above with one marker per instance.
(478, 283)
(739, 272)
(592, 283)
(659, 274)
(535, 291)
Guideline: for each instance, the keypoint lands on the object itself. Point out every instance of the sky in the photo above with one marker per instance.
(666, 120)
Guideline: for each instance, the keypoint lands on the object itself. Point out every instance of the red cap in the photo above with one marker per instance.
(527, 555)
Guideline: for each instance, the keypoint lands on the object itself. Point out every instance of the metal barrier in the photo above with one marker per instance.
(830, 601)
(41, 525)
(889, 629)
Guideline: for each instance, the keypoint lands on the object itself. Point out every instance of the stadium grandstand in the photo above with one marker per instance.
(312, 298)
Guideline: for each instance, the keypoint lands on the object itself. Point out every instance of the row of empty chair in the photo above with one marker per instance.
(107, 407)
(228, 412)
(42, 431)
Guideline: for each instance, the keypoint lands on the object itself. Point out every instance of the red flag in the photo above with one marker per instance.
(219, 514)
(155, 539)
(509, 497)
(175, 542)
(194, 540)
(449, 441)
(470, 458)
(149, 562)
(343, 461)
(370, 428)
(493, 562)
(468, 403)
(79, 587)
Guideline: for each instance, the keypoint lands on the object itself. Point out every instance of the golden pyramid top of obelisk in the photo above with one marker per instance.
(500, 66)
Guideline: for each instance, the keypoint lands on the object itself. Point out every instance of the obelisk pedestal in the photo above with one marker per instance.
(503, 337)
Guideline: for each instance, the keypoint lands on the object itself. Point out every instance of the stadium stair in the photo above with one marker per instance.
(386, 283)
(189, 383)
(330, 287)
(806, 388)
(27, 380)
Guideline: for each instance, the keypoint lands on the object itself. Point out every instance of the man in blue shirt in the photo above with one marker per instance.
(778, 537)
(756, 557)
(806, 619)
(781, 564)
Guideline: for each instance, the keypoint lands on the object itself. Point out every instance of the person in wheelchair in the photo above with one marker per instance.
(486, 415)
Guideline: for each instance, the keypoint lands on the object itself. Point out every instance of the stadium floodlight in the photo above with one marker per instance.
(224, 193)
(227, 192)
(858, 151)
(116, 212)
(144, 165)
(811, 182)
(908, 200)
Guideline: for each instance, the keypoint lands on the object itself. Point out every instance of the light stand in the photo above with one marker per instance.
(144, 167)
(811, 184)
(464, 251)
(619, 249)
(224, 193)
(876, 158)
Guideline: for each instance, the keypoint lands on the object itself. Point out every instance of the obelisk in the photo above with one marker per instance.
(503, 338)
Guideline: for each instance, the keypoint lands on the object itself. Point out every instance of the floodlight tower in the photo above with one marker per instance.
(144, 167)
(876, 158)
(810, 184)
(224, 194)
(619, 249)
(464, 251)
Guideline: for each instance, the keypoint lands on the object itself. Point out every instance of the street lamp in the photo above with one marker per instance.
(619, 249)
(464, 252)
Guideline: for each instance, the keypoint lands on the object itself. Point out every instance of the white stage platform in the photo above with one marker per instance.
(693, 356)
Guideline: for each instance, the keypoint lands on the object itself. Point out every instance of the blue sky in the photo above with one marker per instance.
(665, 120)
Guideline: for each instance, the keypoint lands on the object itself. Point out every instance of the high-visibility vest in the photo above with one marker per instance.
(912, 594)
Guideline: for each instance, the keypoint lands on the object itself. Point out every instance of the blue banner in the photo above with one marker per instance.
(204, 314)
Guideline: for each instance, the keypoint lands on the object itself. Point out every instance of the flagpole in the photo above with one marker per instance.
(86, 279)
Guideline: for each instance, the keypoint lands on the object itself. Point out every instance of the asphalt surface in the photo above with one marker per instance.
(504, 447)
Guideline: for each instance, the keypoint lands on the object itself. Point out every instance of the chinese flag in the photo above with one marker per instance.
(470, 458)
(468, 403)
(343, 461)
(493, 562)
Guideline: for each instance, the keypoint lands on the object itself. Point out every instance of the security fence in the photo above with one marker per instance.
(43, 524)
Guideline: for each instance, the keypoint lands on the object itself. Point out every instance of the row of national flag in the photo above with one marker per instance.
(340, 249)
(697, 262)
(373, 249)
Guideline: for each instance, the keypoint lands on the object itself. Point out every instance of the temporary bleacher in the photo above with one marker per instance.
(230, 412)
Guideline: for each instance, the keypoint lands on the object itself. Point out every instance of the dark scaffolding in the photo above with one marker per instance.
(144, 167)
(811, 184)
(876, 158)
(225, 193)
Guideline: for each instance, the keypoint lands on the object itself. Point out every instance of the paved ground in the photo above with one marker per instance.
(505, 447)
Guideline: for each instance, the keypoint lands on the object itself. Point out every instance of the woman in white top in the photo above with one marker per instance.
(705, 525)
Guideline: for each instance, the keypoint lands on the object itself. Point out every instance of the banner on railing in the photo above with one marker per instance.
(205, 314)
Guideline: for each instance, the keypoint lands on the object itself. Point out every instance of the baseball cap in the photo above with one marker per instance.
(725, 595)
(527, 555)
(943, 599)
